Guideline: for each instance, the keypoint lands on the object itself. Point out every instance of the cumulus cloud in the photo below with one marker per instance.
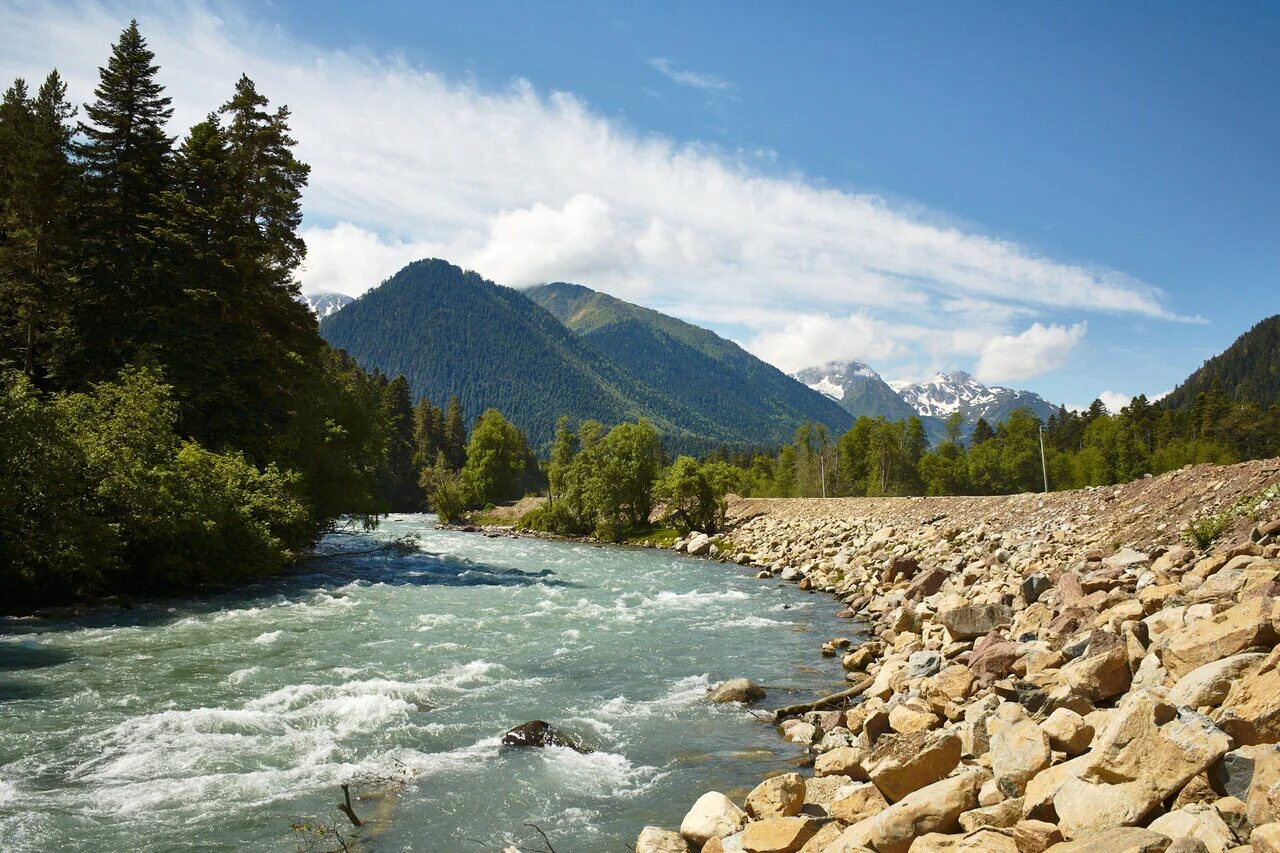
(1036, 350)
(1115, 400)
(693, 79)
(527, 186)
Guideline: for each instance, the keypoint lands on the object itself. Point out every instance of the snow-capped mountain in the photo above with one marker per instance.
(857, 388)
(324, 304)
(959, 392)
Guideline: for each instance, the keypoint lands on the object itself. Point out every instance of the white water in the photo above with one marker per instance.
(211, 725)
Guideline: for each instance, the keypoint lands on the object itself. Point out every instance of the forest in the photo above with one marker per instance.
(171, 418)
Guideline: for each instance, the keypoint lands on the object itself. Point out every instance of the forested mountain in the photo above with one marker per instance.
(1248, 371)
(712, 376)
(452, 333)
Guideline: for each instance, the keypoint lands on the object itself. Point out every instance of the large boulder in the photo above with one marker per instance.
(1068, 731)
(538, 733)
(970, 621)
(1230, 632)
(857, 802)
(1208, 685)
(1251, 774)
(1019, 747)
(713, 816)
(777, 796)
(699, 545)
(1123, 839)
(1250, 713)
(736, 690)
(842, 761)
(778, 834)
(655, 840)
(901, 764)
(1099, 676)
(933, 808)
(1197, 821)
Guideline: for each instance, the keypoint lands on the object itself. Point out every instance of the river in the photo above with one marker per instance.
(215, 724)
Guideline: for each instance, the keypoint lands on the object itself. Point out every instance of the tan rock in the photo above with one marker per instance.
(823, 838)
(854, 839)
(1252, 774)
(1208, 685)
(857, 802)
(1250, 713)
(778, 834)
(1266, 838)
(842, 761)
(1037, 801)
(1019, 747)
(778, 796)
(1228, 633)
(1035, 836)
(999, 816)
(821, 791)
(712, 815)
(1196, 821)
(1099, 676)
(933, 808)
(901, 764)
(655, 840)
(1124, 839)
(978, 841)
(912, 716)
(1068, 732)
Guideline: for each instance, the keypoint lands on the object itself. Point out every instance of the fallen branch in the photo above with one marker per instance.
(345, 807)
(825, 702)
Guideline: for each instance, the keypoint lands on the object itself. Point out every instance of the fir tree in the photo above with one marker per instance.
(455, 435)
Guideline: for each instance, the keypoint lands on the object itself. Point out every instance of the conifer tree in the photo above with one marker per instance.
(455, 435)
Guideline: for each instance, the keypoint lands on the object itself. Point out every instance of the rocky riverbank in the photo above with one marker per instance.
(1082, 671)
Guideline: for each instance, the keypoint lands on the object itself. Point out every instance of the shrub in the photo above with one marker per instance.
(1203, 532)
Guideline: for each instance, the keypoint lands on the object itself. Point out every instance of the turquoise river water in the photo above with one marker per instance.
(215, 724)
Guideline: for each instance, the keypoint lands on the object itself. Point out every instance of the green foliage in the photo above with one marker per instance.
(693, 499)
(446, 496)
(1204, 531)
(497, 457)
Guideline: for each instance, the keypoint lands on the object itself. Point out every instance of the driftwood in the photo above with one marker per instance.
(345, 807)
(825, 702)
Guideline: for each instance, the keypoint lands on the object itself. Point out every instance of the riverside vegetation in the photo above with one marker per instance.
(1079, 671)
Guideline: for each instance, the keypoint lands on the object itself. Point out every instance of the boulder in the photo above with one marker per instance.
(992, 658)
(699, 545)
(1123, 839)
(778, 834)
(912, 716)
(823, 838)
(538, 733)
(1035, 836)
(736, 690)
(820, 792)
(842, 761)
(926, 584)
(901, 764)
(1068, 732)
(1002, 815)
(655, 840)
(1250, 713)
(1266, 838)
(923, 664)
(777, 796)
(857, 802)
(714, 815)
(1196, 821)
(933, 808)
(1034, 586)
(1099, 676)
(970, 621)
(1252, 774)
(1019, 747)
(1230, 632)
(1208, 685)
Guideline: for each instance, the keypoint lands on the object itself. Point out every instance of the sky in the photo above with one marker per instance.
(1082, 199)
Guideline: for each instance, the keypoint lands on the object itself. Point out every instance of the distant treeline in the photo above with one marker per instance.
(170, 417)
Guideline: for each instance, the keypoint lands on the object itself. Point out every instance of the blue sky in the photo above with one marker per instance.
(1074, 198)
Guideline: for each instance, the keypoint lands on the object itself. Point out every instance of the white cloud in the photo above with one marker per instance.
(693, 79)
(1036, 350)
(525, 186)
(1114, 400)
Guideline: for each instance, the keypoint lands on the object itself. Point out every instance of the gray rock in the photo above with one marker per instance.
(923, 664)
(699, 544)
(736, 690)
(538, 733)
(1035, 586)
(970, 621)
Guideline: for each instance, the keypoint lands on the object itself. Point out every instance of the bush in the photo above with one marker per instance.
(1203, 532)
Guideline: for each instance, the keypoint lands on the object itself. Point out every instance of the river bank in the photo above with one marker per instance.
(1047, 672)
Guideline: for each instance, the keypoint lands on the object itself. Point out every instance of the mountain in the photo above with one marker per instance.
(857, 388)
(451, 332)
(711, 376)
(1248, 371)
(960, 392)
(324, 304)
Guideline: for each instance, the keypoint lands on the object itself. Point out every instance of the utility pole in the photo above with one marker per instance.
(1044, 466)
(822, 468)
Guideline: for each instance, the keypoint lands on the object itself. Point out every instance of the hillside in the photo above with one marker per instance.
(451, 332)
(711, 376)
(1248, 371)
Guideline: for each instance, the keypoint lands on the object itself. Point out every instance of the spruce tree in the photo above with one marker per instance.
(455, 435)
(124, 302)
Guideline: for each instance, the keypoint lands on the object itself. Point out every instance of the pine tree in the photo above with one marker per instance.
(982, 431)
(123, 301)
(428, 434)
(455, 435)
(398, 478)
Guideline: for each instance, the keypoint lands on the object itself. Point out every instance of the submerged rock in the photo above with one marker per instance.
(538, 733)
(736, 690)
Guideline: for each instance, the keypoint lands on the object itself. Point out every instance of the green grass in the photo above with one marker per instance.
(664, 537)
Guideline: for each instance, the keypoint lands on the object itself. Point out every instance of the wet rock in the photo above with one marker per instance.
(713, 815)
(538, 733)
(736, 690)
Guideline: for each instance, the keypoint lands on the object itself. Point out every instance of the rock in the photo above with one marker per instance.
(1126, 558)
(1250, 713)
(970, 621)
(736, 690)
(923, 664)
(899, 567)
(699, 544)
(821, 791)
(1251, 773)
(1019, 747)
(858, 802)
(933, 808)
(713, 815)
(778, 796)
(1186, 845)
(1209, 684)
(1196, 821)
(901, 764)
(1035, 836)
(778, 834)
(537, 733)
(823, 838)
(655, 840)
(993, 658)
(978, 841)
(1124, 839)
(999, 816)
(798, 731)
(1230, 632)
(912, 716)
(1099, 676)
(1146, 753)
(926, 585)
(842, 761)
(1068, 732)
(1034, 586)
(1266, 838)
